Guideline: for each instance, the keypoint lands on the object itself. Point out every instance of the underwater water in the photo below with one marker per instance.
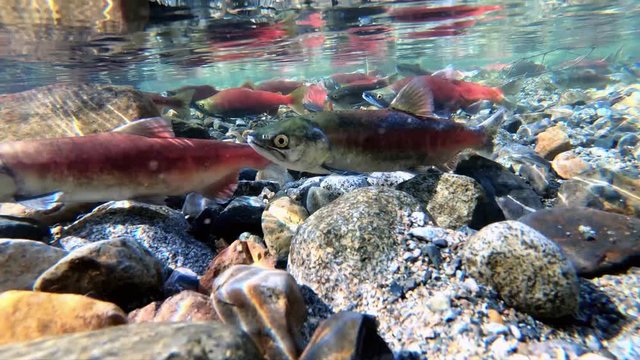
(330, 179)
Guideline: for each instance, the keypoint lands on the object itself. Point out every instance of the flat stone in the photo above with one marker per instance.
(12, 227)
(341, 184)
(596, 242)
(160, 229)
(347, 335)
(184, 306)
(120, 271)
(280, 221)
(23, 261)
(529, 271)
(28, 315)
(552, 141)
(266, 304)
(567, 165)
(207, 341)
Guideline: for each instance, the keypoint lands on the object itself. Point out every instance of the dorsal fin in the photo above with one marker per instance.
(156, 127)
(415, 98)
(248, 85)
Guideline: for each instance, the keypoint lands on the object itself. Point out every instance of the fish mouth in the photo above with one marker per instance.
(266, 150)
(371, 99)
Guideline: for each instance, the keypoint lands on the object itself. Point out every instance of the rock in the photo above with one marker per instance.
(23, 261)
(12, 227)
(185, 306)
(86, 109)
(160, 229)
(189, 129)
(243, 213)
(181, 279)
(275, 173)
(70, 243)
(266, 304)
(602, 189)
(238, 253)
(526, 163)
(346, 244)
(318, 197)
(388, 179)
(120, 271)
(450, 198)
(280, 221)
(28, 315)
(211, 341)
(595, 241)
(255, 188)
(507, 196)
(567, 165)
(342, 184)
(552, 141)
(573, 97)
(347, 335)
(529, 271)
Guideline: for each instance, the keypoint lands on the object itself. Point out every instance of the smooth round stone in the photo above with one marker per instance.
(280, 221)
(529, 271)
(318, 197)
(22, 261)
(567, 165)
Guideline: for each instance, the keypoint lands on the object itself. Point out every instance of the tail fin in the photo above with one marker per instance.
(296, 99)
(615, 57)
(489, 128)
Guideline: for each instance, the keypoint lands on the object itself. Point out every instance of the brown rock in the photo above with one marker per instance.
(280, 221)
(596, 242)
(494, 316)
(22, 261)
(185, 306)
(70, 110)
(347, 335)
(552, 141)
(266, 304)
(568, 165)
(121, 271)
(64, 213)
(28, 315)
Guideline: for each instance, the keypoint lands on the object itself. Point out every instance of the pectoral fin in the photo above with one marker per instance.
(222, 190)
(43, 202)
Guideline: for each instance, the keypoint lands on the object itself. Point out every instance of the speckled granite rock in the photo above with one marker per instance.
(450, 198)
(29, 315)
(595, 241)
(120, 271)
(529, 271)
(162, 230)
(210, 341)
(280, 221)
(266, 304)
(350, 241)
(22, 261)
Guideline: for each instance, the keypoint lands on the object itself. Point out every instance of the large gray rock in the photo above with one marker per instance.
(160, 229)
(22, 261)
(120, 271)
(529, 271)
(142, 341)
(345, 246)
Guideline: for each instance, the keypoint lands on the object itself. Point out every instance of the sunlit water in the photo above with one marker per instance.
(224, 43)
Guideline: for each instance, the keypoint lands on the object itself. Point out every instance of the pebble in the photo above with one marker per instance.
(28, 315)
(266, 304)
(568, 165)
(185, 306)
(439, 302)
(552, 141)
(347, 335)
(280, 221)
(23, 261)
(179, 280)
(12, 227)
(318, 197)
(341, 184)
(510, 256)
(212, 341)
(596, 242)
(119, 271)
(244, 213)
(160, 229)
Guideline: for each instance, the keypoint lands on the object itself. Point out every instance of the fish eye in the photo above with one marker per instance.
(281, 141)
(379, 96)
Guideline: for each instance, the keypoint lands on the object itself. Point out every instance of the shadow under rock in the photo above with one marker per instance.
(317, 311)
